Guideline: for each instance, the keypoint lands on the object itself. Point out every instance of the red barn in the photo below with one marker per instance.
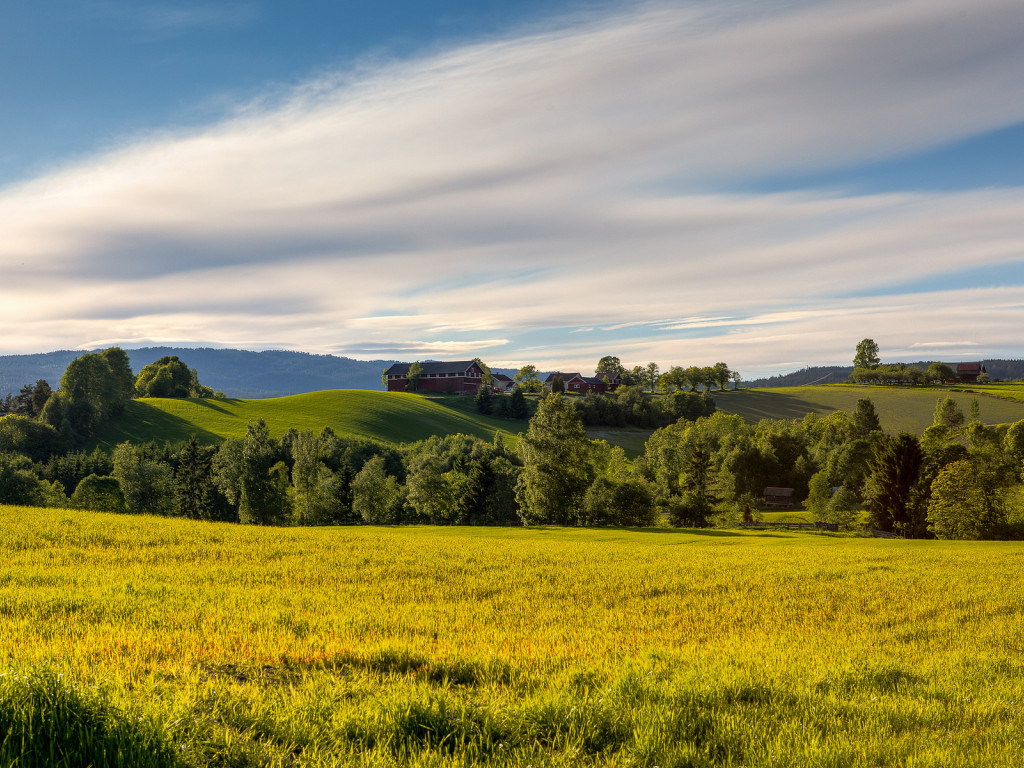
(968, 373)
(462, 377)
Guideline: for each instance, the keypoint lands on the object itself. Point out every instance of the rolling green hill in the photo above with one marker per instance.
(899, 408)
(392, 417)
(396, 417)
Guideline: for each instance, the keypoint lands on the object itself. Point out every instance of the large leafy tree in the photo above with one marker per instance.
(376, 496)
(609, 364)
(170, 377)
(672, 379)
(488, 378)
(940, 372)
(556, 466)
(964, 503)
(146, 482)
(251, 477)
(94, 388)
(526, 379)
(722, 375)
(100, 494)
(866, 355)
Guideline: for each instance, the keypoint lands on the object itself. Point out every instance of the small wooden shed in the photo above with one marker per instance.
(778, 497)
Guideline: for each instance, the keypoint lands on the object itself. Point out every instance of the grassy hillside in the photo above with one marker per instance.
(392, 417)
(899, 408)
(190, 644)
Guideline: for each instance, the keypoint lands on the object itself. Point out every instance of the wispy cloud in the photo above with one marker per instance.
(517, 193)
(163, 19)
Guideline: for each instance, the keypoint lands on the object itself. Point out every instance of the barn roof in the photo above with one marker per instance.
(968, 368)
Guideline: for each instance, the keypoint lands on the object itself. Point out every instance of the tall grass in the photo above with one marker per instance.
(433, 646)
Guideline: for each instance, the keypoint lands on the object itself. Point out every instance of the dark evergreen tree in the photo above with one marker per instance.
(195, 493)
(484, 399)
(40, 394)
(519, 408)
(893, 494)
(865, 418)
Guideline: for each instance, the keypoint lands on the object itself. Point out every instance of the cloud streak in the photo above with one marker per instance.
(496, 198)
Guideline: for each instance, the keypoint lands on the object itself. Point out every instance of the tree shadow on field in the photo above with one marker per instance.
(754, 406)
(141, 422)
(206, 403)
(710, 532)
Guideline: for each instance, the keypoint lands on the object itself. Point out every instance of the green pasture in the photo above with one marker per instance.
(156, 641)
(900, 409)
(391, 417)
(1005, 391)
(631, 439)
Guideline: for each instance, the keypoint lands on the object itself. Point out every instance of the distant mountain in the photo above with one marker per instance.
(236, 372)
(1005, 370)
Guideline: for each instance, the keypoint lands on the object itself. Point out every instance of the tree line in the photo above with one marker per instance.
(869, 369)
(959, 479)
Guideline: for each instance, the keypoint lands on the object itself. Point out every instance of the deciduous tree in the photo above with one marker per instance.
(961, 505)
(526, 379)
(609, 364)
(376, 496)
(412, 378)
(556, 467)
(867, 354)
(145, 481)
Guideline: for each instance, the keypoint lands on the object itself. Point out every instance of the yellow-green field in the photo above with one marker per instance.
(212, 644)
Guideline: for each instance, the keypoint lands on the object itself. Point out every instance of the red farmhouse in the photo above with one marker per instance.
(462, 377)
(575, 382)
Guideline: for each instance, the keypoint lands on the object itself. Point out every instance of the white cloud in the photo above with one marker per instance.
(506, 198)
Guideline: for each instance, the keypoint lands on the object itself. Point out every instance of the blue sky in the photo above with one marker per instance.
(545, 182)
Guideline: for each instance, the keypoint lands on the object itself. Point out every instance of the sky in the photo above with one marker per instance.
(758, 183)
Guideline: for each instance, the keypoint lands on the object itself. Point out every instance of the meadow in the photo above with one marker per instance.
(390, 417)
(900, 409)
(398, 417)
(170, 642)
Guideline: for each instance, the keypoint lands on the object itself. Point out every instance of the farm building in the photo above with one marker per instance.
(968, 373)
(461, 377)
(502, 383)
(778, 497)
(577, 383)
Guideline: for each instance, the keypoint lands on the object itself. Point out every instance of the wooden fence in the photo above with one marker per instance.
(819, 526)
